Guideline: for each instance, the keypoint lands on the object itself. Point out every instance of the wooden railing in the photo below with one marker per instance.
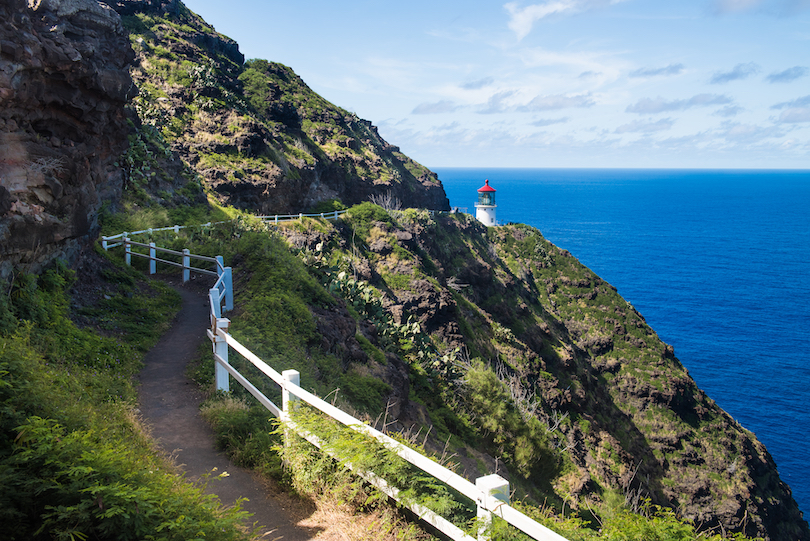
(223, 287)
(489, 493)
(109, 241)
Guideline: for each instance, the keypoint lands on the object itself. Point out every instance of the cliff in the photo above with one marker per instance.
(615, 408)
(255, 132)
(64, 82)
(591, 402)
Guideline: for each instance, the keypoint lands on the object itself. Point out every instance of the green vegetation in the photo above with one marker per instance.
(74, 461)
(501, 342)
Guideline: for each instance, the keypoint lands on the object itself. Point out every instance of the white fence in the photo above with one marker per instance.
(489, 493)
(109, 241)
(223, 286)
(276, 218)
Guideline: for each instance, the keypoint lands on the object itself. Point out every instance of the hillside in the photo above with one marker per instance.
(599, 402)
(512, 354)
(255, 132)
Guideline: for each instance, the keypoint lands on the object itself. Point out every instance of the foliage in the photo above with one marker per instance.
(75, 484)
(522, 442)
(74, 463)
(362, 217)
(326, 206)
(244, 428)
(345, 453)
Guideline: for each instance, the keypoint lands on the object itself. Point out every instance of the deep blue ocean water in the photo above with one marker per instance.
(717, 261)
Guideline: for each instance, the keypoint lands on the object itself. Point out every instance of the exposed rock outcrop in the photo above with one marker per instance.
(255, 132)
(614, 396)
(64, 81)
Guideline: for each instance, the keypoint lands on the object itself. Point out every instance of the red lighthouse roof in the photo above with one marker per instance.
(486, 187)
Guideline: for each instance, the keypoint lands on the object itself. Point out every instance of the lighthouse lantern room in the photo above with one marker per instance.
(485, 207)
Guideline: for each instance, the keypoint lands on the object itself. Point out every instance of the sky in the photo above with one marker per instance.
(557, 83)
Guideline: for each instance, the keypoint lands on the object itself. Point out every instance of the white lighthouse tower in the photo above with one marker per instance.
(485, 207)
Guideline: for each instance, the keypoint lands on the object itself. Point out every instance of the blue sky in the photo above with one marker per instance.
(558, 83)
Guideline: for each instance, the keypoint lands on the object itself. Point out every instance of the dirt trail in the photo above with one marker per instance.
(170, 406)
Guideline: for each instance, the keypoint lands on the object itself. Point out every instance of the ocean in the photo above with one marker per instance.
(717, 261)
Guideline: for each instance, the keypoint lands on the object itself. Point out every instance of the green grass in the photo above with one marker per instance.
(74, 461)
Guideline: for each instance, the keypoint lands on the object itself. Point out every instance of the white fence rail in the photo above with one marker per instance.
(109, 241)
(223, 286)
(489, 493)
(276, 218)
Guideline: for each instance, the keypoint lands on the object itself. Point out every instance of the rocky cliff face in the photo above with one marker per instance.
(255, 132)
(64, 82)
(621, 406)
(613, 400)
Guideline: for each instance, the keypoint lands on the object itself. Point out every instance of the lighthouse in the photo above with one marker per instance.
(485, 207)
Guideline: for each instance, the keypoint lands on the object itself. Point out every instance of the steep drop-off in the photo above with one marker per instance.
(590, 400)
(511, 317)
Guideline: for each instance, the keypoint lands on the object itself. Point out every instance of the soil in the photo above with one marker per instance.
(170, 404)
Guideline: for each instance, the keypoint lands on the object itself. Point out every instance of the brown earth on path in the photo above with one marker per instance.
(170, 405)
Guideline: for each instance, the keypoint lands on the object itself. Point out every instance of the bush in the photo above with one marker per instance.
(74, 463)
(362, 216)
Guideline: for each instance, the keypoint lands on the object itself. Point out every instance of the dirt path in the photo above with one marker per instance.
(170, 405)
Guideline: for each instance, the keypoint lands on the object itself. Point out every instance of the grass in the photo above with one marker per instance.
(75, 462)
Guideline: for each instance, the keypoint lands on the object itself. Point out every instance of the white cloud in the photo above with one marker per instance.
(600, 65)
(672, 69)
(549, 121)
(729, 111)
(788, 75)
(521, 20)
(443, 106)
(639, 126)
(740, 71)
(557, 101)
(646, 106)
(480, 83)
(747, 133)
(804, 101)
(795, 115)
(495, 103)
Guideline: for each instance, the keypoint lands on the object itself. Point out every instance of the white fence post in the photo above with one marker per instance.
(228, 280)
(221, 349)
(186, 265)
(288, 400)
(104, 243)
(492, 486)
(336, 215)
(152, 262)
(213, 300)
(300, 215)
(176, 229)
(127, 250)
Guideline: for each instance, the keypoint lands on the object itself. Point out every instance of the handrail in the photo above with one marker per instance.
(223, 285)
(275, 218)
(490, 493)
